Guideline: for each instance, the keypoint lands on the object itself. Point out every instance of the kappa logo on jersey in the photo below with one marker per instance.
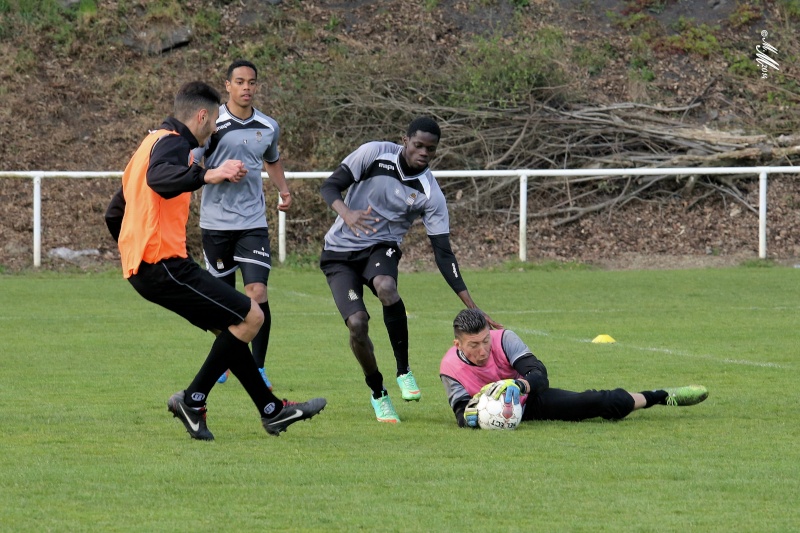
(352, 296)
(220, 128)
(385, 166)
(261, 252)
(390, 252)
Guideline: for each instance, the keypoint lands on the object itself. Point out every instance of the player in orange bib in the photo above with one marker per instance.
(148, 218)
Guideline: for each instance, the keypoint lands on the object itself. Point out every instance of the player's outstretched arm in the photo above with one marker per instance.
(470, 304)
(448, 266)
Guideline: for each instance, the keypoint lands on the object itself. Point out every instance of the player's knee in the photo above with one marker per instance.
(386, 290)
(247, 329)
(256, 291)
(255, 317)
(358, 324)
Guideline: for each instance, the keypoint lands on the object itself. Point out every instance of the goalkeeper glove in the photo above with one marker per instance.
(508, 390)
(471, 411)
(512, 394)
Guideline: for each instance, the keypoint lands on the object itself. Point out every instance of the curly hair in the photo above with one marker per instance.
(240, 63)
(425, 125)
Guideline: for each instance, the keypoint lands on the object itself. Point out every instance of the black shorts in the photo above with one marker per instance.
(181, 286)
(348, 272)
(226, 251)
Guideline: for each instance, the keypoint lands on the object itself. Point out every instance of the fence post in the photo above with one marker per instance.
(282, 236)
(281, 232)
(762, 215)
(523, 217)
(37, 220)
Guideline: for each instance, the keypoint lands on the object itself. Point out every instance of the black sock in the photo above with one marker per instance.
(654, 397)
(394, 316)
(375, 383)
(261, 340)
(238, 358)
(215, 364)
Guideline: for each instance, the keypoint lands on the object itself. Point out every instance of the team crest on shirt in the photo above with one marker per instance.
(258, 136)
(411, 197)
(352, 296)
(220, 264)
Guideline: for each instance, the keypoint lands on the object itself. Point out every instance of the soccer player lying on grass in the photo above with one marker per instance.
(148, 219)
(480, 356)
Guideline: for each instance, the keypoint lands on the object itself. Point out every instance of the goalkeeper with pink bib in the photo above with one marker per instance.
(497, 363)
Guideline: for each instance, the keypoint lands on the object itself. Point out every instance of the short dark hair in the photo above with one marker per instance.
(470, 322)
(240, 63)
(424, 124)
(192, 97)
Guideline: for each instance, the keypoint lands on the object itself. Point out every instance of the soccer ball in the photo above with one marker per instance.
(497, 414)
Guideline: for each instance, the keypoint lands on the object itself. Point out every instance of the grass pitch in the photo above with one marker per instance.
(88, 445)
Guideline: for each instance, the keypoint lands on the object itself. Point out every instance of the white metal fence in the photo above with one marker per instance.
(522, 174)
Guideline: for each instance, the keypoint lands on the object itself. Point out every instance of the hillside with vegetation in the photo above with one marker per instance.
(514, 84)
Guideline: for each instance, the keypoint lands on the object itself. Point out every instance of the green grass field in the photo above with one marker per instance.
(86, 442)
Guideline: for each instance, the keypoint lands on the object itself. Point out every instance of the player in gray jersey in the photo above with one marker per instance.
(388, 187)
(233, 215)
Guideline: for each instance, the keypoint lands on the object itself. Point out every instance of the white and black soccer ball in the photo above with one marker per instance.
(497, 414)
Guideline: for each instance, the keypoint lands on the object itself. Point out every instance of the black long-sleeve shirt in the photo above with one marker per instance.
(170, 172)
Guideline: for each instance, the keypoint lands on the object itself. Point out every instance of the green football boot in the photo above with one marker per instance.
(688, 395)
(384, 410)
(408, 387)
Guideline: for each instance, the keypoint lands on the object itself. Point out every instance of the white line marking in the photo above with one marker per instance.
(666, 351)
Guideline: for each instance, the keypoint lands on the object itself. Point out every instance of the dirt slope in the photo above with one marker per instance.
(76, 112)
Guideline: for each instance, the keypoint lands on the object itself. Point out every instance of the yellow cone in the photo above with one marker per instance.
(603, 339)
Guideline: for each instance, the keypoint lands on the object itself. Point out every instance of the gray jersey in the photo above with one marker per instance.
(236, 206)
(396, 199)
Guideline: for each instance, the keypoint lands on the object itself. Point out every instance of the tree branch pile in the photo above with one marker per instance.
(545, 135)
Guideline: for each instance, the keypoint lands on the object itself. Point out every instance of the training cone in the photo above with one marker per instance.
(603, 339)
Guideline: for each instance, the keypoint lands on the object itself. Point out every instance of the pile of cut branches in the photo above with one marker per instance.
(545, 136)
